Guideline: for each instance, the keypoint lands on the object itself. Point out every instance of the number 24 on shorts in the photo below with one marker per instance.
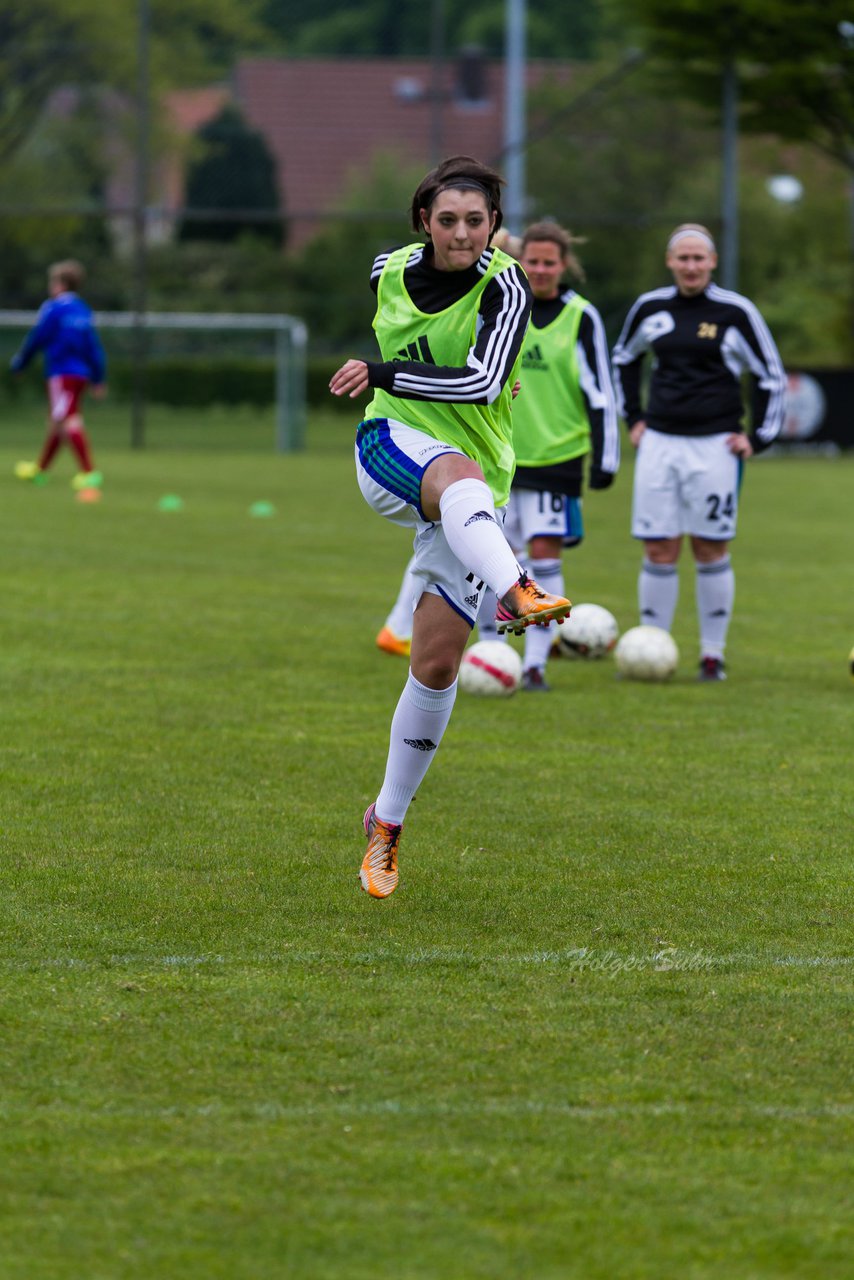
(718, 509)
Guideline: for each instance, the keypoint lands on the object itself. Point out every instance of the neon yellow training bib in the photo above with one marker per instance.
(550, 422)
(482, 432)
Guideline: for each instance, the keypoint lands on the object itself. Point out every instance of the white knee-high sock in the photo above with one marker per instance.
(400, 619)
(538, 640)
(475, 536)
(417, 726)
(658, 592)
(715, 597)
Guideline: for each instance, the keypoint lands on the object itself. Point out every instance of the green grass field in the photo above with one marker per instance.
(603, 1029)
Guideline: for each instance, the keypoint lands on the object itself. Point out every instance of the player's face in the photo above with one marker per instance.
(544, 267)
(460, 225)
(692, 263)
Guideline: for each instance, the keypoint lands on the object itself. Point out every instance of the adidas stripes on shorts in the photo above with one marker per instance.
(391, 459)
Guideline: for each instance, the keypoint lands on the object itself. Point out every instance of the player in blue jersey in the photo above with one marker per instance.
(73, 360)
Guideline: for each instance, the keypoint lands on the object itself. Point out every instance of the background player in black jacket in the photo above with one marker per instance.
(690, 439)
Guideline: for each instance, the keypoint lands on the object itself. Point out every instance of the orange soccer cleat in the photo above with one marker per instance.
(525, 604)
(390, 643)
(378, 873)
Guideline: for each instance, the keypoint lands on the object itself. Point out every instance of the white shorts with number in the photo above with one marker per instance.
(535, 514)
(685, 484)
(391, 459)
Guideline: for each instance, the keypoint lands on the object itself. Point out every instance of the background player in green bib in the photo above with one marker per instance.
(564, 413)
(434, 454)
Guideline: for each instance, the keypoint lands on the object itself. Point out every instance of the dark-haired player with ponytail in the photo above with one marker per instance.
(435, 454)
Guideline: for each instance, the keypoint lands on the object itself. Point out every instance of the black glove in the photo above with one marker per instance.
(600, 479)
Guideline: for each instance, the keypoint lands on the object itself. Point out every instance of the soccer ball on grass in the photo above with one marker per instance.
(491, 669)
(646, 653)
(589, 632)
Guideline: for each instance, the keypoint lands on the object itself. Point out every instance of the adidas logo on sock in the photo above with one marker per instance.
(420, 744)
(478, 515)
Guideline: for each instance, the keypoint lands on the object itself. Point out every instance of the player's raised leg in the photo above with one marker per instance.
(453, 488)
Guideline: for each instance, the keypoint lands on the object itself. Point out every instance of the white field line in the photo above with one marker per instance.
(350, 1108)
(575, 959)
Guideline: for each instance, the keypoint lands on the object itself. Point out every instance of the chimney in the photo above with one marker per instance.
(471, 76)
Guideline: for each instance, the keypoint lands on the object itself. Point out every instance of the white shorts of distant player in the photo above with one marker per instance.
(685, 485)
(391, 459)
(532, 514)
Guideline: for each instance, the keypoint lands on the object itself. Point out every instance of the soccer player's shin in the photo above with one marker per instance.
(658, 592)
(417, 727)
(79, 442)
(715, 598)
(50, 449)
(538, 640)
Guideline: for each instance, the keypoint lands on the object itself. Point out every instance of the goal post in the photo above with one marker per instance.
(289, 337)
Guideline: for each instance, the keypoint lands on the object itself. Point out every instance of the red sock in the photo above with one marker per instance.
(51, 444)
(79, 443)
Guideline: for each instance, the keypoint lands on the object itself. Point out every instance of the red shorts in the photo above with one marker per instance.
(64, 393)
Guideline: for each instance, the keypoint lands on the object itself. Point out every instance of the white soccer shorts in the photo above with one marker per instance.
(685, 484)
(391, 459)
(532, 514)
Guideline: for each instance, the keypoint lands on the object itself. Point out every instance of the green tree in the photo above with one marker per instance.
(46, 43)
(53, 162)
(208, 275)
(619, 167)
(51, 219)
(392, 28)
(621, 164)
(331, 274)
(795, 62)
(235, 174)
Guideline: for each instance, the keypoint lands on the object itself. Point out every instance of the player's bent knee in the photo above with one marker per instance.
(441, 474)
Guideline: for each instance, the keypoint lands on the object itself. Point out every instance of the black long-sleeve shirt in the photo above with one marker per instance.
(702, 345)
(505, 304)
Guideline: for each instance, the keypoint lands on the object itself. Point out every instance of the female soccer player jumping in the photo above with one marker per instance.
(434, 454)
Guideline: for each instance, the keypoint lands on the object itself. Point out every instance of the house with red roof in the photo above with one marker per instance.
(325, 118)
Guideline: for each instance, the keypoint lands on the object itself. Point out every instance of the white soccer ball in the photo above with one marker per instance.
(491, 669)
(589, 632)
(646, 653)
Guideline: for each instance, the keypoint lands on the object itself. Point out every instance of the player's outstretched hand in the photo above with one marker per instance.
(99, 390)
(350, 380)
